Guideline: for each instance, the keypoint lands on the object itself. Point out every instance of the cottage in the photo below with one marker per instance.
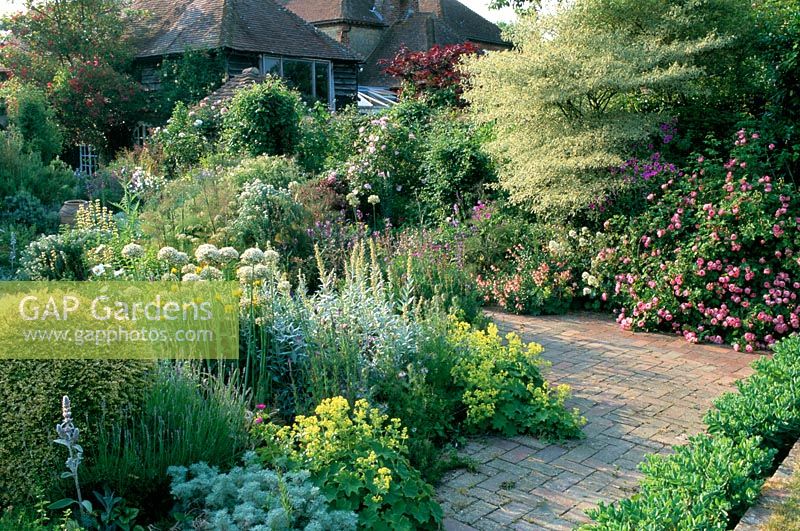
(251, 34)
(377, 29)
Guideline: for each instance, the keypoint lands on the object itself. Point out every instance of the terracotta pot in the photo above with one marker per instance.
(69, 209)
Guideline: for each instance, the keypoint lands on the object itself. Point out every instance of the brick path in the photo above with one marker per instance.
(641, 393)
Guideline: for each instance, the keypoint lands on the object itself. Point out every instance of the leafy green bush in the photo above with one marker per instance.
(31, 392)
(428, 402)
(263, 120)
(504, 389)
(272, 170)
(185, 417)
(194, 208)
(27, 209)
(188, 135)
(358, 458)
(190, 77)
(56, 257)
(23, 170)
(31, 114)
(252, 496)
(768, 402)
(701, 486)
(267, 214)
(455, 168)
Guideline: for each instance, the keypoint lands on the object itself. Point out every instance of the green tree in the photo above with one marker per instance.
(77, 51)
(581, 89)
(34, 118)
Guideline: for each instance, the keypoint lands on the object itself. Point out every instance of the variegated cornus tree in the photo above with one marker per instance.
(583, 86)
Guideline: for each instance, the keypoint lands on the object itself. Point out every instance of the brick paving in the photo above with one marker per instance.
(640, 393)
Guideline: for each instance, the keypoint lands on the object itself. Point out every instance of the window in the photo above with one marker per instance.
(87, 159)
(312, 79)
(140, 134)
(322, 81)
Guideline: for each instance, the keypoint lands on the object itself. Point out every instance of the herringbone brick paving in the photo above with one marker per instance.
(641, 393)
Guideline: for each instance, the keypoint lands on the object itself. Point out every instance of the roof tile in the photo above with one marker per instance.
(260, 26)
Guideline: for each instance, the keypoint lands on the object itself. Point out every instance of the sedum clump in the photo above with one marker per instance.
(254, 498)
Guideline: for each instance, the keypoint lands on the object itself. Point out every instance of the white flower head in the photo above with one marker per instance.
(228, 254)
(188, 268)
(252, 256)
(245, 274)
(207, 253)
(271, 256)
(261, 271)
(133, 251)
(168, 254)
(99, 270)
(181, 258)
(211, 273)
(191, 277)
(373, 199)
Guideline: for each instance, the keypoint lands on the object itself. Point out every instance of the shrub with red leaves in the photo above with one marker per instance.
(433, 74)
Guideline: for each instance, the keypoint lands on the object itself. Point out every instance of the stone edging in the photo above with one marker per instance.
(773, 493)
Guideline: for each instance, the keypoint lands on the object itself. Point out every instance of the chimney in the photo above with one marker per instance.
(396, 10)
(431, 6)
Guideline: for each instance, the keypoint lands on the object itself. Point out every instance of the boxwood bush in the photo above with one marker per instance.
(31, 391)
(710, 483)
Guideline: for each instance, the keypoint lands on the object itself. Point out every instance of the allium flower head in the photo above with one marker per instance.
(228, 254)
(252, 256)
(271, 257)
(133, 251)
(168, 254)
(245, 274)
(210, 273)
(207, 253)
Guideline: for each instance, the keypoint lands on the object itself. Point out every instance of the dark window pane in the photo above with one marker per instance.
(298, 76)
(272, 66)
(323, 82)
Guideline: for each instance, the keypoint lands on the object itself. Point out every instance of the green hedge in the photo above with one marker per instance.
(30, 394)
(711, 482)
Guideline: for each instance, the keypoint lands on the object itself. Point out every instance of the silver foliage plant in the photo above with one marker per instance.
(254, 498)
(351, 333)
(68, 436)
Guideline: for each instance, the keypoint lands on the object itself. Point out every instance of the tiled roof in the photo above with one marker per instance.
(316, 11)
(261, 26)
(250, 76)
(468, 23)
(420, 31)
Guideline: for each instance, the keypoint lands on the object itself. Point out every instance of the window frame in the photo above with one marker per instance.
(314, 63)
(88, 160)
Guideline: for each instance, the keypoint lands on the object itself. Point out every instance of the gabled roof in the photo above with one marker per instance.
(469, 24)
(261, 26)
(420, 31)
(320, 11)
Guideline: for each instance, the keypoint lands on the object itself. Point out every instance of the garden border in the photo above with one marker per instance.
(773, 493)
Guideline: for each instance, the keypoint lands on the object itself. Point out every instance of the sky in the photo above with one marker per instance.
(479, 6)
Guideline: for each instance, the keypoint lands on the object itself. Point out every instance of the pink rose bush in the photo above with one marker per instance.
(714, 258)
